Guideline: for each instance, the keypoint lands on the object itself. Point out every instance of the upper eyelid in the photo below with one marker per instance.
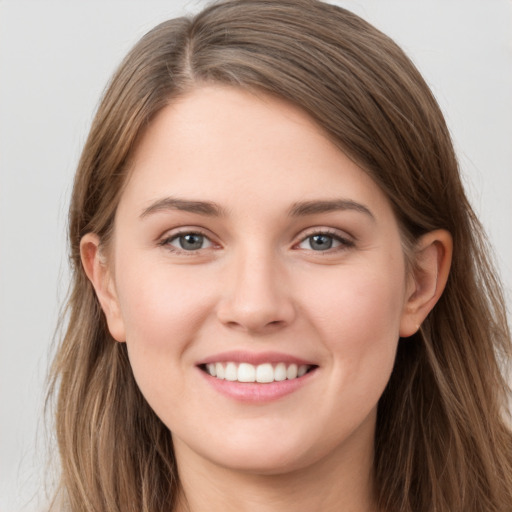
(344, 240)
(164, 242)
(175, 232)
(334, 232)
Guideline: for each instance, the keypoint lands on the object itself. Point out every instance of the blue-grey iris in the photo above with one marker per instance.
(320, 242)
(191, 241)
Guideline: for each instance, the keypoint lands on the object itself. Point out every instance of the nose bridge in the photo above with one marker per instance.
(256, 295)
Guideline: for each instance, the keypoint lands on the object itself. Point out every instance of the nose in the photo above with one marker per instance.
(256, 297)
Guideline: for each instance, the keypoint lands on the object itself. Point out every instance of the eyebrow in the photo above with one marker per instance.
(212, 209)
(172, 203)
(325, 206)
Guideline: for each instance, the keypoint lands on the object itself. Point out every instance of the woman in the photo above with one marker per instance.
(281, 298)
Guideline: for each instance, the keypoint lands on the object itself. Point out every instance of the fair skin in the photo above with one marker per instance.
(244, 236)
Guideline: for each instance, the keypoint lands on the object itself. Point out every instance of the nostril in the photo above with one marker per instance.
(255, 327)
(255, 309)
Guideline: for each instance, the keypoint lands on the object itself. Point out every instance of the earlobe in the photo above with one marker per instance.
(427, 280)
(99, 273)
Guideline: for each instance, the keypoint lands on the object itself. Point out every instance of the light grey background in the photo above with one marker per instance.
(55, 59)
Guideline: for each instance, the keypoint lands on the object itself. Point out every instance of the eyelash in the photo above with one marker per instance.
(344, 243)
(166, 242)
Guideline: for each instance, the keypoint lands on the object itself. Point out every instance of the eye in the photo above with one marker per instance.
(188, 241)
(323, 242)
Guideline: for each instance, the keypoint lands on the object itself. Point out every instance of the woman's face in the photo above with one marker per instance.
(247, 246)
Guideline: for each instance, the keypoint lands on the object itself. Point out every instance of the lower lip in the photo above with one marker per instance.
(255, 392)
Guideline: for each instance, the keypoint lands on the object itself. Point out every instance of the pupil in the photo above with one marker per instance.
(191, 241)
(321, 242)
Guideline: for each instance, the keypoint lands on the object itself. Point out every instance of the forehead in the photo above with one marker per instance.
(232, 146)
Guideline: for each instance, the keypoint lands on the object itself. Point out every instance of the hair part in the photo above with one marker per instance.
(442, 443)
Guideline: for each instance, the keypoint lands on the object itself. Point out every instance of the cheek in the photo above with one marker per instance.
(356, 303)
(357, 315)
(162, 309)
(160, 304)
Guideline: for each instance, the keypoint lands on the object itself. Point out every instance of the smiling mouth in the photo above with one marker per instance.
(262, 373)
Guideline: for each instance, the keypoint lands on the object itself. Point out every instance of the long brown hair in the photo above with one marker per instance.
(442, 443)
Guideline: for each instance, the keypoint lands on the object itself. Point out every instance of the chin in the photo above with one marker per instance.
(264, 464)
(263, 456)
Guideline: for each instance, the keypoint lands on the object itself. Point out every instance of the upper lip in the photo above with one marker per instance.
(254, 358)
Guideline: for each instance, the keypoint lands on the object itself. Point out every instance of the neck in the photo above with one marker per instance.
(340, 482)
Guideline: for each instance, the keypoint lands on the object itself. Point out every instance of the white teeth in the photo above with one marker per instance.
(303, 368)
(280, 372)
(231, 372)
(262, 373)
(291, 372)
(246, 372)
(219, 370)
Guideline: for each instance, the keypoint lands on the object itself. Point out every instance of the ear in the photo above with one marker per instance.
(100, 275)
(427, 279)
